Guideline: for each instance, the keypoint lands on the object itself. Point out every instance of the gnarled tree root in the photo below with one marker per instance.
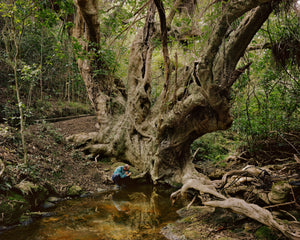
(197, 185)
(290, 230)
(251, 172)
(2, 167)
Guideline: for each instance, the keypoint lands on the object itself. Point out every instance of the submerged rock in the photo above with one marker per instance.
(54, 199)
(25, 220)
(48, 205)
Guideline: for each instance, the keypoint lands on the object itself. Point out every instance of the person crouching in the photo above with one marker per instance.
(121, 175)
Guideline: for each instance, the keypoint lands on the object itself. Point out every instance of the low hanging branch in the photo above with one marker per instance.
(173, 12)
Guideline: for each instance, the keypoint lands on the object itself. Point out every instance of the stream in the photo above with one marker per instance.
(132, 213)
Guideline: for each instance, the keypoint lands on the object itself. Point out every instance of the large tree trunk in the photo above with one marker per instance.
(101, 86)
(157, 139)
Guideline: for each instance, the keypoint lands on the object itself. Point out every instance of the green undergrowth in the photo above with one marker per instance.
(265, 233)
(215, 147)
(45, 109)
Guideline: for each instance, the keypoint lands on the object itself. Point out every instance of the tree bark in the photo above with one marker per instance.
(158, 141)
(100, 86)
(290, 230)
(164, 41)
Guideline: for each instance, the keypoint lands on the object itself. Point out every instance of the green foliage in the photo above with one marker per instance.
(285, 36)
(77, 155)
(29, 74)
(65, 108)
(113, 24)
(265, 233)
(58, 137)
(266, 100)
(5, 185)
(46, 67)
(210, 147)
(43, 109)
(106, 63)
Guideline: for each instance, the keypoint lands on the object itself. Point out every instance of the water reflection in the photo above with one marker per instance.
(134, 213)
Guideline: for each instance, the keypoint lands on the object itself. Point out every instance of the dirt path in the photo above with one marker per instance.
(61, 163)
(87, 173)
(76, 125)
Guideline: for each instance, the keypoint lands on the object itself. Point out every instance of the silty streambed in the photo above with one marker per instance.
(133, 213)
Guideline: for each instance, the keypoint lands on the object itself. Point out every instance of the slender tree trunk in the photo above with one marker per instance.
(20, 104)
(41, 64)
(20, 107)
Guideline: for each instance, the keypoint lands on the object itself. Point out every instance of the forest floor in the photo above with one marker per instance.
(71, 166)
(87, 173)
(54, 165)
(58, 165)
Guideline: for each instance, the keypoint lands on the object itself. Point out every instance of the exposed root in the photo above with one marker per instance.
(253, 172)
(82, 138)
(99, 150)
(280, 204)
(290, 230)
(190, 204)
(2, 167)
(257, 177)
(297, 159)
(197, 185)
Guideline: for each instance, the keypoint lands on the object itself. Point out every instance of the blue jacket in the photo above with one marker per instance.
(120, 171)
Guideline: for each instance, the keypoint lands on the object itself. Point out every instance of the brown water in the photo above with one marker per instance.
(122, 215)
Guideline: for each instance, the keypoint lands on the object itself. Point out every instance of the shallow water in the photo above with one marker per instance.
(137, 213)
